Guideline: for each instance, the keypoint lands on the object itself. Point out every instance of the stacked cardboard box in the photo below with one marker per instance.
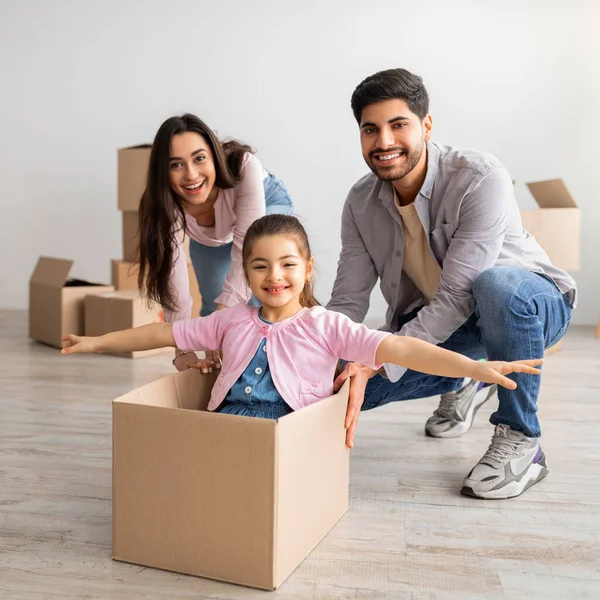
(132, 174)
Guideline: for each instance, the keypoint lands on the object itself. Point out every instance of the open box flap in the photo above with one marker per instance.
(552, 193)
(51, 271)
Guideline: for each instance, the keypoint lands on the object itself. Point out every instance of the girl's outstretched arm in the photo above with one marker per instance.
(146, 337)
(421, 356)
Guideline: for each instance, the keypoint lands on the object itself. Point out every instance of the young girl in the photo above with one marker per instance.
(283, 355)
(212, 191)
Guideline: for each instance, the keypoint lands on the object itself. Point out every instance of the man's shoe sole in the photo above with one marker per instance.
(536, 472)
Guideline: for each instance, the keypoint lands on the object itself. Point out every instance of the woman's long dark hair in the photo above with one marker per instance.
(161, 214)
(282, 225)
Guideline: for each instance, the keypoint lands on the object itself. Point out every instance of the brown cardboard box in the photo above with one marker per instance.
(131, 238)
(232, 498)
(125, 275)
(133, 172)
(114, 311)
(556, 224)
(56, 302)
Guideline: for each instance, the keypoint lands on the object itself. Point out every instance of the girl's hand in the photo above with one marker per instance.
(77, 344)
(359, 376)
(494, 371)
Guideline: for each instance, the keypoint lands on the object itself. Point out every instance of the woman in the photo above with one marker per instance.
(211, 191)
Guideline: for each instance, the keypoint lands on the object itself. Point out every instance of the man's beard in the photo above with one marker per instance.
(411, 160)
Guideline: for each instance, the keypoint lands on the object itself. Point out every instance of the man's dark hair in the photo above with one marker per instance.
(388, 85)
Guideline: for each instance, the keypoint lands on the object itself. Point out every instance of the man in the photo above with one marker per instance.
(441, 230)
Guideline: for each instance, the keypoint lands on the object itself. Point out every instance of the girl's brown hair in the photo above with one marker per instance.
(161, 215)
(282, 225)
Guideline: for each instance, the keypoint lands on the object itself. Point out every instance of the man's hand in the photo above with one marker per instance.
(359, 376)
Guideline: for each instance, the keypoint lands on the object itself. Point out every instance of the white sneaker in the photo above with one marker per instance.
(456, 411)
(512, 463)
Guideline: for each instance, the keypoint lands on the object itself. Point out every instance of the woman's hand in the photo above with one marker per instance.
(185, 360)
(189, 360)
(494, 371)
(212, 361)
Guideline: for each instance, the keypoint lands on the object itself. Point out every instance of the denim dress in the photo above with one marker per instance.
(254, 394)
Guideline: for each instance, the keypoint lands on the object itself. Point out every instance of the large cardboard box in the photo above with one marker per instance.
(131, 235)
(232, 498)
(125, 277)
(114, 311)
(56, 302)
(132, 175)
(556, 224)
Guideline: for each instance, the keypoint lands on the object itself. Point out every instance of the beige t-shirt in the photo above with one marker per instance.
(418, 263)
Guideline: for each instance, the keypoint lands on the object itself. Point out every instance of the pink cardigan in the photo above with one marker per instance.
(235, 210)
(302, 350)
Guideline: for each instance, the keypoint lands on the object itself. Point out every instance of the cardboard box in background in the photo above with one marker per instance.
(56, 302)
(125, 275)
(130, 235)
(556, 224)
(232, 498)
(132, 175)
(119, 310)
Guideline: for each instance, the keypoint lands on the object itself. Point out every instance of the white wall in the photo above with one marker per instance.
(79, 79)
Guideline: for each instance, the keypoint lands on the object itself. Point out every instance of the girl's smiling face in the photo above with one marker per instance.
(277, 274)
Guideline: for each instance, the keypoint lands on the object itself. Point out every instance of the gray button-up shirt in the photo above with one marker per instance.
(469, 212)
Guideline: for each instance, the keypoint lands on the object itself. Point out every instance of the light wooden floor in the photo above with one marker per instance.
(408, 534)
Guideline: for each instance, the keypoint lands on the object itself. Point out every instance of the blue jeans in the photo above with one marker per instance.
(517, 314)
(211, 263)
